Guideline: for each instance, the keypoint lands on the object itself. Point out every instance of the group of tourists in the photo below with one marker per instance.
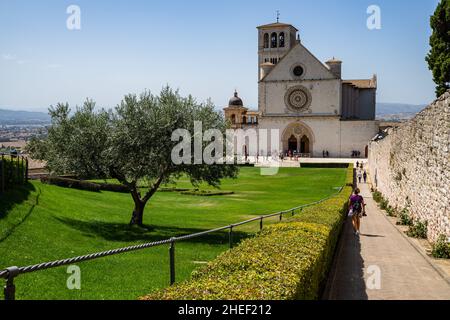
(356, 154)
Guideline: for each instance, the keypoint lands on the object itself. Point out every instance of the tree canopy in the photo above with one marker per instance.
(439, 56)
(132, 143)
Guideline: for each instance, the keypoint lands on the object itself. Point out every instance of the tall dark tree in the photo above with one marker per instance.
(132, 144)
(439, 57)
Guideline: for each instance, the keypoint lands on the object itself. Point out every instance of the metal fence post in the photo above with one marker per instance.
(172, 261)
(26, 170)
(230, 234)
(293, 212)
(10, 289)
(261, 224)
(2, 173)
(281, 216)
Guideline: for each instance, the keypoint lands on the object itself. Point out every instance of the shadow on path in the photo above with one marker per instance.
(346, 279)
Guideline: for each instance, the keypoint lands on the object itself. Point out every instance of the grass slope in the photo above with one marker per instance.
(48, 222)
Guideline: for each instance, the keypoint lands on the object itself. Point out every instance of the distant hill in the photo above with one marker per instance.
(23, 117)
(397, 108)
(397, 111)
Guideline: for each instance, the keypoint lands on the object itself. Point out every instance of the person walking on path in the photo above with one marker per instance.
(359, 176)
(365, 176)
(356, 205)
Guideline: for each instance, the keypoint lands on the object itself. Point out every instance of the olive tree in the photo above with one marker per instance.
(132, 143)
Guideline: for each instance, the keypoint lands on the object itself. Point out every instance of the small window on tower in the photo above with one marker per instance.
(282, 40)
(273, 40)
(266, 40)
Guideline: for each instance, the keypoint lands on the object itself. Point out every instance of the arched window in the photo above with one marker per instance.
(281, 37)
(273, 40)
(266, 40)
(233, 119)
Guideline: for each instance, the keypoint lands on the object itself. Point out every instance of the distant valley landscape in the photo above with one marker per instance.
(385, 111)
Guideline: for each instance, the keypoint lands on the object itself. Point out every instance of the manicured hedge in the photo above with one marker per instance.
(71, 183)
(285, 261)
(84, 185)
(324, 165)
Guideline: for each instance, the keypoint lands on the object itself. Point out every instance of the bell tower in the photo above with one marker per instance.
(274, 41)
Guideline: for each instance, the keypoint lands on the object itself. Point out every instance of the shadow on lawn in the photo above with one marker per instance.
(126, 233)
(14, 197)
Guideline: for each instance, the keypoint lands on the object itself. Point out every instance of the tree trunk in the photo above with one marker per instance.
(139, 203)
(138, 213)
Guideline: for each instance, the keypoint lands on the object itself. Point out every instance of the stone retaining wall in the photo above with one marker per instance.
(411, 166)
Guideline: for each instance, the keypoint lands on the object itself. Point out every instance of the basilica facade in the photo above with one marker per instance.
(316, 112)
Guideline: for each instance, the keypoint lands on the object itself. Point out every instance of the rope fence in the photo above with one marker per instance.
(12, 272)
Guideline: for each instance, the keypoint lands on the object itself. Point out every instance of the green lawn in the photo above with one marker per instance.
(42, 223)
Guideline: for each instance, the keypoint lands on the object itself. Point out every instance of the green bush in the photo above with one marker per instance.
(441, 248)
(285, 261)
(377, 196)
(418, 229)
(384, 204)
(405, 219)
(391, 212)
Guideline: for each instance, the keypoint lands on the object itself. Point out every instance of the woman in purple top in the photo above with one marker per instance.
(356, 205)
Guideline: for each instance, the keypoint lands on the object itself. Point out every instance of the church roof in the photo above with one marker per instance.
(362, 83)
(276, 25)
(235, 101)
(334, 60)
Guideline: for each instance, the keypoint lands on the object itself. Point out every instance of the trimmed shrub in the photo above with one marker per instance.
(324, 165)
(418, 230)
(71, 183)
(113, 187)
(206, 193)
(441, 248)
(285, 261)
(84, 184)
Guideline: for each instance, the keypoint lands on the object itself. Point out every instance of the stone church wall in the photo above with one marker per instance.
(411, 166)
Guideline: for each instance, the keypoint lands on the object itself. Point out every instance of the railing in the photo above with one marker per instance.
(12, 272)
(13, 171)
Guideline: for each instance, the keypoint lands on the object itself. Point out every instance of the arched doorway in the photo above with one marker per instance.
(304, 145)
(298, 137)
(292, 144)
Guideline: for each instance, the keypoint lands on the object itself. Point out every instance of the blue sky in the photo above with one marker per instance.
(205, 48)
